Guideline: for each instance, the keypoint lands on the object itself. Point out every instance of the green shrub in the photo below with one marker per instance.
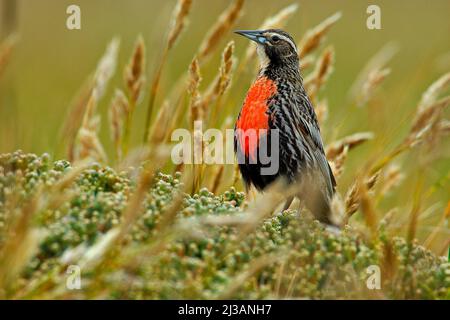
(287, 255)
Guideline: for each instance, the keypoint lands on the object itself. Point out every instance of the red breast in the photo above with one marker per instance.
(254, 114)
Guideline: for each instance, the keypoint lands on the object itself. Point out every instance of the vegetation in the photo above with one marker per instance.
(140, 227)
(205, 253)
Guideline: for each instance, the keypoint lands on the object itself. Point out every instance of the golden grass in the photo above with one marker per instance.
(134, 82)
(222, 27)
(220, 84)
(373, 73)
(324, 67)
(118, 112)
(97, 82)
(315, 36)
(87, 143)
(377, 177)
(196, 110)
(177, 25)
(6, 49)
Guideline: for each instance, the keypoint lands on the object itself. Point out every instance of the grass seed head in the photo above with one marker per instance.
(315, 36)
(134, 74)
(222, 27)
(6, 49)
(351, 141)
(178, 21)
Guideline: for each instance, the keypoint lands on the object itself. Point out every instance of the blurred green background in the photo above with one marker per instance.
(50, 63)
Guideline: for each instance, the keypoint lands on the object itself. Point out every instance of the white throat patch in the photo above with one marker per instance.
(263, 58)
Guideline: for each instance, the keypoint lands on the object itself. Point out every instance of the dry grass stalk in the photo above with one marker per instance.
(392, 178)
(222, 81)
(94, 255)
(445, 217)
(265, 204)
(324, 67)
(373, 66)
(352, 198)
(390, 261)
(178, 21)
(254, 267)
(106, 68)
(374, 79)
(103, 253)
(426, 119)
(426, 126)
(444, 251)
(132, 259)
(88, 144)
(178, 112)
(73, 120)
(415, 211)
(118, 112)
(429, 105)
(58, 194)
(430, 96)
(306, 63)
(280, 19)
(444, 127)
(134, 75)
(177, 25)
(160, 131)
(197, 113)
(21, 243)
(208, 46)
(166, 230)
(315, 36)
(222, 27)
(321, 109)
(367, 206)
(337, 163)
(222, 220)
(193, 89)
(388, 216)
(6, 49)
(217, 179)
(132, 162)
(336, 148)
(103, 73)
(236, 175)
(22, 238)
(218, 175)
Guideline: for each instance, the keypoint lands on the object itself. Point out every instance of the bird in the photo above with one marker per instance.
(277, 110)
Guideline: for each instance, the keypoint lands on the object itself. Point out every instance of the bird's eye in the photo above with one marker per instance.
(275, 38)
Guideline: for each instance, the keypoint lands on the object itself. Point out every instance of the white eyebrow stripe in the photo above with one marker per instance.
(285, 39)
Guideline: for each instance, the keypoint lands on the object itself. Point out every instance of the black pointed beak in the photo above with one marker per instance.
(255, 35)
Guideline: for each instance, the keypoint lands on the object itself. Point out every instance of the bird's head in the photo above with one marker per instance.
(275, 47)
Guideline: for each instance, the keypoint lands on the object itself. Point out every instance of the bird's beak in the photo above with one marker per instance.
(255, 35)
